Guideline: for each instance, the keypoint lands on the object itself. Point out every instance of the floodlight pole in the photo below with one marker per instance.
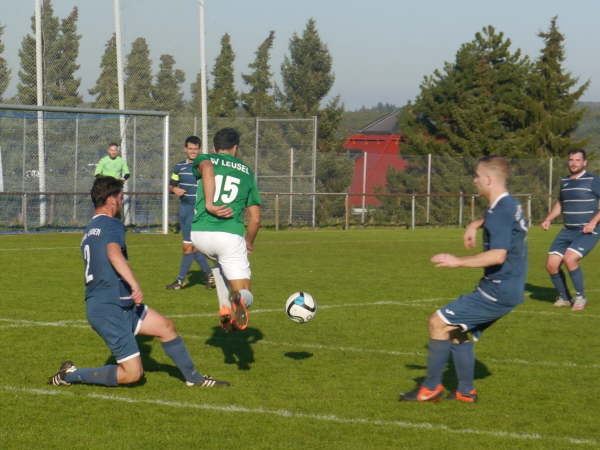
(204, 102)
(40, 114)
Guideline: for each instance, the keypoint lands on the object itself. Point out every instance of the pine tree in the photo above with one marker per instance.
(222, 98)
(196, 102)
(65, 88)
(106, 89)
(260, 100)
(138, 72)
(167, 89)
(306, 73)
(554, 112)
(4, 70)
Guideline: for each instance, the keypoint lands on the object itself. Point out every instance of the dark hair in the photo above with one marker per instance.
(113, 144)
(193, 140)
(226, 139)
(498, 164)
(103, 188)
(578, 150)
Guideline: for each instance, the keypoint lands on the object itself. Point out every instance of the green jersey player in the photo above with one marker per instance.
(226, 239)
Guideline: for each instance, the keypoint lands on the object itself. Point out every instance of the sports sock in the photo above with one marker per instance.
(439, 350)
(577, 278)
(177, 351)
(222, 290)
(202, 262)
(560, 283)
(105, 376)
(186, 262)
(464, 365)
(247, 297)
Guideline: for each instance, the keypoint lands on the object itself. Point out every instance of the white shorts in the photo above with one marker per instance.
(228, 249)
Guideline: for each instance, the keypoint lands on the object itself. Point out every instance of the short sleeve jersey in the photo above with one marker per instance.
(183, 177)
(102, 283)
(579, 199)
(116, 168)
(235, 186)
(505, 228)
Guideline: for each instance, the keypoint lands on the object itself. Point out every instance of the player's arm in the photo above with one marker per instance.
(553, 214)
(118, 261)
(591, 225)
(253, 215)
(99, 168)
(207, 173)
(470, 236)
(485, 259)
(125, 170)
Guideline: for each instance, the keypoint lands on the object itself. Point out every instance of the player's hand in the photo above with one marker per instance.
(589, 228)
(178, 191)
(445, 260)
(249, 246)
(470, 237)
(546, 225)
(220, 211)
(137, 295)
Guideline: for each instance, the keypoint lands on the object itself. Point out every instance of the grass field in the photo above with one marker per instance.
(332, 383)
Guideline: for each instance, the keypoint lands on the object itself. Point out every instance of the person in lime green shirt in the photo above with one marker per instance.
(112, 165)
(224, 238)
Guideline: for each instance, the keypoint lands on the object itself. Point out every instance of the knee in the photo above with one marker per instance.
(571, 261)
(552, 267)
(435, 323)
(131, 375)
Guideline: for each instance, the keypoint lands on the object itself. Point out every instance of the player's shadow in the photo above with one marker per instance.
(449, 379)
(196, 277)
(149, 363)
(541, 293)
(298, 355)
(236, 346)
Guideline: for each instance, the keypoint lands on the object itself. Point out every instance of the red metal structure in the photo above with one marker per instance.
(377, 144)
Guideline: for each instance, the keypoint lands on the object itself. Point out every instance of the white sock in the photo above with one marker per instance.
(247, 297)
(222, 290)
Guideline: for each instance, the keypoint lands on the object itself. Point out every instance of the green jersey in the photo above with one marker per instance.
(116, 168)
(235, 186)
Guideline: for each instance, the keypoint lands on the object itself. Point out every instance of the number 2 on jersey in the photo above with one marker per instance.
(86, 256)
(228, 191)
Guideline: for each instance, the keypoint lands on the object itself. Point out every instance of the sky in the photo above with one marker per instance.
(381, 49)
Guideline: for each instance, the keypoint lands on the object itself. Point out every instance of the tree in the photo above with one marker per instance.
(222, 98)
(306, 72)
(138, 83)
(4, 70)
(167, 89)
(106, 89)
(260, 100)
(554, 112)
(65, 89)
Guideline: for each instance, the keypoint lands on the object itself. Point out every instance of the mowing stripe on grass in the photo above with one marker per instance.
(312, 416)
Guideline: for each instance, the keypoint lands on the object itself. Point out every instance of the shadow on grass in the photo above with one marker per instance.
(541, 293)
(196, 277)
(236, 346)
(449, 379)
(298, 355)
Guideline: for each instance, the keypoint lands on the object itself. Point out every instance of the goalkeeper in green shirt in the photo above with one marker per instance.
(112, 165)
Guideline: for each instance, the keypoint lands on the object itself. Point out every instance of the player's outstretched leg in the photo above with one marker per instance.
(225, 309)
(240, 301)
(69, 374)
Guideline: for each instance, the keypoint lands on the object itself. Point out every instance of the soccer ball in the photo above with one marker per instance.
(301, 307)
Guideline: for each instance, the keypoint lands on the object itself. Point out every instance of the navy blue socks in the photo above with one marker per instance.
(464, 365)
(105, 376)
(577, 278)
(177, 351)
(560, 283)
(439, 350)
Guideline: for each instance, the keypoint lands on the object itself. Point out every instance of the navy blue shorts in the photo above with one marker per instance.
(473, 313)
(186, 217)
(117, 326)
(575, 240)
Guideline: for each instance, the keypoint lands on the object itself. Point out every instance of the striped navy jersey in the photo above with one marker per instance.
(579, 199)
(102, 282)
(183, 177)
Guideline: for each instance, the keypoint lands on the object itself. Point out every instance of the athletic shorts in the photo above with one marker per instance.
(186, 217)
(228, 249)
(573, 239)
(117, 326)
(473, 312)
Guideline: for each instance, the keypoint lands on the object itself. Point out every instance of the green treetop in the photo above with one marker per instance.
(222, 97)
(138, 73)
(260, 100)
(167, 89)
(106, 88)
(4, 70)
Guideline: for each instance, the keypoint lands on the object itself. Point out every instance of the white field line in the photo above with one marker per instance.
(294, 415)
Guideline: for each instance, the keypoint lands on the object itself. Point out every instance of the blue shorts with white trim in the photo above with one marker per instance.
(575, 240)
(117, 326)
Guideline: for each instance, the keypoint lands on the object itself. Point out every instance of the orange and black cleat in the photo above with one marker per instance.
(422, 394)
(225, 319)
(239, 318)
(471, 397)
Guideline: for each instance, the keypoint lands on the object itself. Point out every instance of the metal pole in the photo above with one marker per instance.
(428, 186)
(256, 151)
(120, 78)
(276, 212)
(1, 173)
(472, 207)
(529, 209)
(291, 185)
(40, 115)
(204, 113)
(165, 196)
(412, 207)
(195, 125)
(314, 170)
(23, 154)
(76, 169)
(134, 167)
(460, 209)
(346, 212)
(364, 189)
(550, 169)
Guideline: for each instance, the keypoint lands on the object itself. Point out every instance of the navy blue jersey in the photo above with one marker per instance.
(505, 228)
(579, 199)
(183, 177)
(102, 282)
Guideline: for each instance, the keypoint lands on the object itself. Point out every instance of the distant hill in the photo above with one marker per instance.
(589, 127)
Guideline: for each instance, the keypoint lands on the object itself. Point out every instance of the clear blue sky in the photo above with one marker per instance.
(381, 48)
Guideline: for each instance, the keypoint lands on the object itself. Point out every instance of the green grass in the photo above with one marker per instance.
(332, 383)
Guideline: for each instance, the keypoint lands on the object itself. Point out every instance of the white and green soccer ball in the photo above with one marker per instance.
(301, 307)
